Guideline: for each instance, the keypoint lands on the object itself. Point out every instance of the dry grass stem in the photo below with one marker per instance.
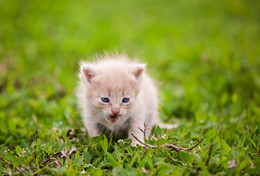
(171, 146)
(34, 150)
(210, 150)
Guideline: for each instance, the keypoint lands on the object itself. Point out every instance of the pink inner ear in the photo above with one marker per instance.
(89, 74)
(139, 72)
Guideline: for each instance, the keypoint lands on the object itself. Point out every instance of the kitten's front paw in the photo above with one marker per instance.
(137, 138)
(135, 142)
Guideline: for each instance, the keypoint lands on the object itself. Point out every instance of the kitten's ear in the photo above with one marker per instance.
(138, 71)
(87, 72)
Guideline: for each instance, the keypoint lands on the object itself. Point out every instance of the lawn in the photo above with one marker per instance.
(204, 54)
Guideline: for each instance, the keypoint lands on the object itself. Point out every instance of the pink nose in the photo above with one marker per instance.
(115, 111)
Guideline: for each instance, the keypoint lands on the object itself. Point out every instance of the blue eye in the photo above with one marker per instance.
(104, 99)
(125, 100)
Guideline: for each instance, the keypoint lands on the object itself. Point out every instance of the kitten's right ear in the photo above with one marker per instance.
(138, 70)
(87, 73)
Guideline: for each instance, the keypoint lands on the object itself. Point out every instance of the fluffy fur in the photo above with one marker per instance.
(116, 78)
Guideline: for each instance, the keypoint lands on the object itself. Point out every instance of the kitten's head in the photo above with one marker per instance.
(111, 90)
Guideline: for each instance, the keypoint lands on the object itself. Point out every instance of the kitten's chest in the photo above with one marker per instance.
(117, 132)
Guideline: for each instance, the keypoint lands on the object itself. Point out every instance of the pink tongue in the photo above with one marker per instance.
(113, 118)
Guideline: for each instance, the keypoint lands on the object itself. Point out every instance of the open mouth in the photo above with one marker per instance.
(113, 118)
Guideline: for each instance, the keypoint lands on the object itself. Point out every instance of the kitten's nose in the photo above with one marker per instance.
(115, 111)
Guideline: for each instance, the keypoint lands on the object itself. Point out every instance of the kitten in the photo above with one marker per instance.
(117, 96)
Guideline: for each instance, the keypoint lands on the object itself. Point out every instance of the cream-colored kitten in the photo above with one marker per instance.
(116, 95)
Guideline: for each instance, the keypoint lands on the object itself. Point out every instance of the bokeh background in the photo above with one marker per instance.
(204, 54)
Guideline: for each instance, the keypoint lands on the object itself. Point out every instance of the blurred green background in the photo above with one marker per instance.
(205, 55)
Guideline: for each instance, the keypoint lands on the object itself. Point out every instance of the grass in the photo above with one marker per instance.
(205, 55)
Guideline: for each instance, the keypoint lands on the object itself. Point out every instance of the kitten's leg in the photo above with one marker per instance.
(153, 119)
(167, 126)
(91, 127)
(134, 129)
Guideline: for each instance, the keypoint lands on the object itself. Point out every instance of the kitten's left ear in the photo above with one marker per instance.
(87, 72)
(138, 71)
